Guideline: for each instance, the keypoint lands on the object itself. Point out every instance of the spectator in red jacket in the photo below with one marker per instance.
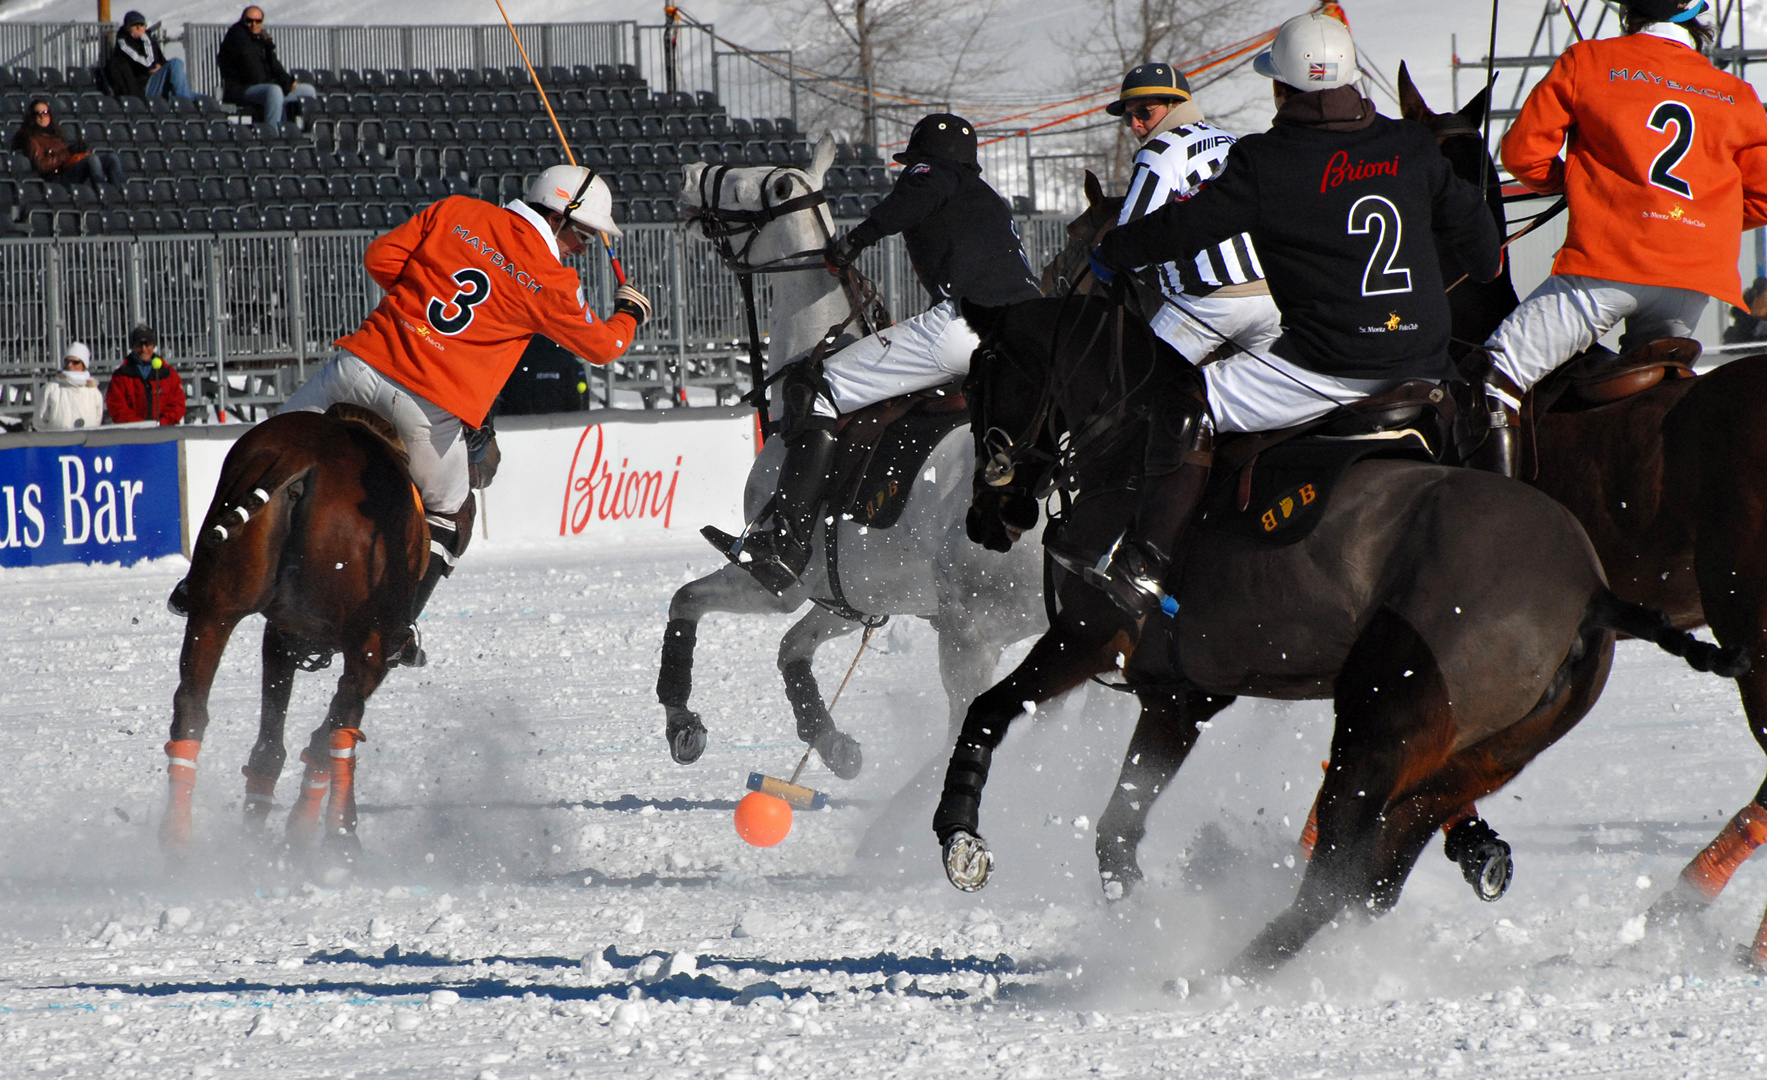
(145, 387)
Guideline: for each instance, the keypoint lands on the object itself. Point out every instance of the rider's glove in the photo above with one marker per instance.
(633, 303)
(840, 253)
(1103, 273)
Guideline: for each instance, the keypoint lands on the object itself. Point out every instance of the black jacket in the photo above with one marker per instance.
(1345, 207)
(958, 231)
(246, 60)
(124, 71)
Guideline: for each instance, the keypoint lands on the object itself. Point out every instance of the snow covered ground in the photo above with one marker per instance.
(546, 894)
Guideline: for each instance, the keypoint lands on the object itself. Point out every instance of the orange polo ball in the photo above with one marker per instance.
(763, 820)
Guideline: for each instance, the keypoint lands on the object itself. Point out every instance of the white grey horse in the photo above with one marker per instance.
(925, 565)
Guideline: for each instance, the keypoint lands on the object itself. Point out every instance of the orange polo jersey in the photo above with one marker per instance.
(1665, 162)
(468, 283)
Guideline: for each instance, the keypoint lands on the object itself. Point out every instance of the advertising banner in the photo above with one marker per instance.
(117, 503)
(620, 481)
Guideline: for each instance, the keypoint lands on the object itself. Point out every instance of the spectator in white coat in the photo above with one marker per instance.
(71, 399)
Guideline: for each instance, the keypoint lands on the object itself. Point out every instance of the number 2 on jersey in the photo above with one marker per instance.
(1662, 169)
(1371, 213)
(475, 289)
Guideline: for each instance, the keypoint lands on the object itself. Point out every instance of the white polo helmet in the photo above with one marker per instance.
(1311, 52)
(577, 193)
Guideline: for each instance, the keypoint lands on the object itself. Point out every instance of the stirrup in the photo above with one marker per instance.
(758, 553)
(1131, 579)
(412, 654)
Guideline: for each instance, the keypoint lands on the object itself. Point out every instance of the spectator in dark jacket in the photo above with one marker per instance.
(138, 67)
(145, 387)
(250, 72)
(55, 157)
(547, 379)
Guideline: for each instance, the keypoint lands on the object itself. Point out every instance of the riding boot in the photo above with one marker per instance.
(1500, 448)
(777, 548)
(448, 537)
(1135, 576)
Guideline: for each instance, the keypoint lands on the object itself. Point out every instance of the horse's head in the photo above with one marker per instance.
(728, 199)
(1067, 271)
(1007, 390)
(1459, 134)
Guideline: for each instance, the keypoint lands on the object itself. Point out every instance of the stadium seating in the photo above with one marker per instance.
(377, 143)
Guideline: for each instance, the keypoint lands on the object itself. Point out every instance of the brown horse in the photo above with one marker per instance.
(1453, 655)
(315, 525)
(1671, 486)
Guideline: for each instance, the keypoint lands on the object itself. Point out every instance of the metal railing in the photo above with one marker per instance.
(56, 45)
(243, 317)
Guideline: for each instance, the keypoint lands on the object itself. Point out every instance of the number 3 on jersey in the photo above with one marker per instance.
(475, 289)
(1661, 169)
(1373, 214)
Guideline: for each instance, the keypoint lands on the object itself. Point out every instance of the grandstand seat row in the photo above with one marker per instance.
(149, 222)
(500, 102)
(581, 75)
(93, 105)
(538, 129)
(111, 134)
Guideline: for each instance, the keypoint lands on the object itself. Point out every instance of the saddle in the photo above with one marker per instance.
(1272, 487)
(882, 449)
(1598, 377)
(380, 426)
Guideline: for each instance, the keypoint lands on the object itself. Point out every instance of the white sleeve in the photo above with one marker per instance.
(1148, 187)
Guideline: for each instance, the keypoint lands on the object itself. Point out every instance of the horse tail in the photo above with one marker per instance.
(244, 493)
(1609, 612)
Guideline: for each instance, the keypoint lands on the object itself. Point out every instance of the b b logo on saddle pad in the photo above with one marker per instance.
(1284, 511)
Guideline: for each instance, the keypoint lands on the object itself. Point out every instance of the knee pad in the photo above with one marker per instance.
(802, 385)
(1180, 432)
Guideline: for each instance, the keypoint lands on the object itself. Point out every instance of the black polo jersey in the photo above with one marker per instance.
(958, 232)
(1346, 225)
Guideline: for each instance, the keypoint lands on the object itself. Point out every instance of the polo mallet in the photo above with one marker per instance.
(606, 244)
(791, 791)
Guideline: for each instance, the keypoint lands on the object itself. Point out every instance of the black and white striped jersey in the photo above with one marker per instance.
(1170, 168)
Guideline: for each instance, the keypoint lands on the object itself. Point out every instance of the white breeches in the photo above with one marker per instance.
(432, 434)
(1262, 392)
(924, 351)
(1569, 312)
(1194, 325)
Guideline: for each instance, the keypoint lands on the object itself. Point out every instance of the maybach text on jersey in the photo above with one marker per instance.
(497, 258)
(1625, 75)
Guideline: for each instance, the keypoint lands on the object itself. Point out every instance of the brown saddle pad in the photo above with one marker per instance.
(351, 413)
(882, 448)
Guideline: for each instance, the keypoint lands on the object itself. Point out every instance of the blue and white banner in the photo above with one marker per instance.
(115, 503)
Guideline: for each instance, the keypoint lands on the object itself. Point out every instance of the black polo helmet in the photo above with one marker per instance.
(1150, 80)
(941, 135)
(1666, 10)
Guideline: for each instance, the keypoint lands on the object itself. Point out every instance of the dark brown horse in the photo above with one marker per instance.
(316, 526)
(1453, 654)
(1671, 486)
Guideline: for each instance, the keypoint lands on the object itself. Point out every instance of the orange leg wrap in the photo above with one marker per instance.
(1310, 832)
(260, 792)
(303, 817)
(1711, 869)
(175, 827)
(340, 817)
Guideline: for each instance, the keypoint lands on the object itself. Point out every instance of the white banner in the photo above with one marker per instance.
(620, 480)
(657, 475)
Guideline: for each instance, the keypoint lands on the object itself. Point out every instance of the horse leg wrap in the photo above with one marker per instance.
(1310, 832)
(303, 818)
(960, 806)
(806, 699)
(340, 818)
(260, 792)
(175, 828)
(1482, 855)
(674, 679)
(1712, 868)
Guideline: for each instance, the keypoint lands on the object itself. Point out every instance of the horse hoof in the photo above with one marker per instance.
(179, 602)
(968, 862)
(1119, 884)
(840, 752)
(687, 736)
(1483, 856)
